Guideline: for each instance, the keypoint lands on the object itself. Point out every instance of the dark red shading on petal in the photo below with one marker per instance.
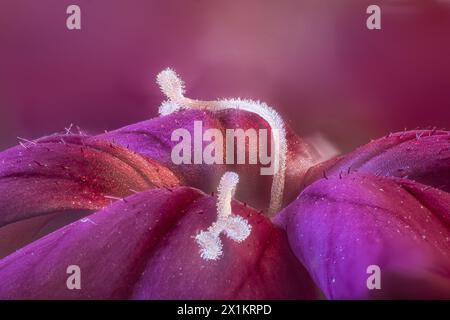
(420, 155)
(339, 227)
(144, 248)
(60, 173)
(20, 233)
(152, 138)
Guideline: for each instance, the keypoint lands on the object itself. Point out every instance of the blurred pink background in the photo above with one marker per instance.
(314, 60)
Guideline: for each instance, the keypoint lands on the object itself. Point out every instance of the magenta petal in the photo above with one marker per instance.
(339, 227)
(420, 155)
(144, 248)
(152, 138)
(18, 234)
(66, 172)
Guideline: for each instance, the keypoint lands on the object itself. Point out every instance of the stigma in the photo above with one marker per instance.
(233, 226)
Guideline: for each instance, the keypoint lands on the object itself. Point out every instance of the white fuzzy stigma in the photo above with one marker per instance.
(226, 191)
(171, 84)
(173, 87)
(234, 227)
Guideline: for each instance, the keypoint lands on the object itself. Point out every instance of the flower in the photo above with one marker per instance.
(148, 233)
(138, 226)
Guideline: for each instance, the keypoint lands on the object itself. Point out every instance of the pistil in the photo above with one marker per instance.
(173, 87)
(233, 226)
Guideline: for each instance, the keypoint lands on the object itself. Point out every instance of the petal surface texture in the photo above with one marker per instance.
(59, 173)
(419, 155)
(339, 227)
(144, 247)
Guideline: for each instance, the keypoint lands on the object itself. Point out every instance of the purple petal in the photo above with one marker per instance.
(71, 172)
(144, 248)
(340, 227)
(421, 155)
(18, 234)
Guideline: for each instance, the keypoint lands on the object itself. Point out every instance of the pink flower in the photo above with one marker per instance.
(139, 226)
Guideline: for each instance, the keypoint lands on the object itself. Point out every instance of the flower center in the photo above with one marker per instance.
(235, 227)
(173, 87)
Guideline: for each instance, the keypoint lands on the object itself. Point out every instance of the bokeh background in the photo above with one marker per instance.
(314, 60)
